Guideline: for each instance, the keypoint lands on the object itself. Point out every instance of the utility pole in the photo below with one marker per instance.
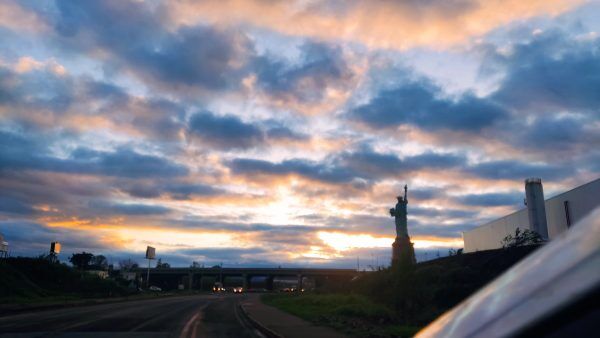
(150, 255)
(148, 275)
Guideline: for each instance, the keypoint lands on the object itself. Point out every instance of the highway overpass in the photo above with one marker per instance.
(189, 277)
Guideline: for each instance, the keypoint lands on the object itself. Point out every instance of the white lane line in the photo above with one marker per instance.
(192, 321)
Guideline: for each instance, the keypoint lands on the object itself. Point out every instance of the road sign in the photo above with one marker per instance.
(150, 252)
(55, 248)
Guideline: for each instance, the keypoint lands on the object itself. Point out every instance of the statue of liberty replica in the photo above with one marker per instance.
(402, 249)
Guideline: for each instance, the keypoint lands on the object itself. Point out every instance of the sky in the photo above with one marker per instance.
(279, 132)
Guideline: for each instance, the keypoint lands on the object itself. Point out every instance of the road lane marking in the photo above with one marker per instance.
(192, 321)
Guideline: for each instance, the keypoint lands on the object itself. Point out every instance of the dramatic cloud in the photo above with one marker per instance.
(131, 209)
(516, 170)
(320, 68)
(492, 199)
(359, 168)
(138, 39)
(18, 152)
(271, 133)
(224, 132)
(570, 85)
(387, 24)
(420, 104)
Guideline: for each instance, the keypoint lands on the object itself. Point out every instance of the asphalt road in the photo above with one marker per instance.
(185, 317)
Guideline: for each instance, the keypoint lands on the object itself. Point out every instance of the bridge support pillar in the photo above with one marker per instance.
(299, 285)
(190, 280)
(269, 283)
(246, 278)
(319, 281)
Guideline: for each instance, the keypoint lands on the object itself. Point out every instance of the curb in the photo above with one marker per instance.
(257, 325)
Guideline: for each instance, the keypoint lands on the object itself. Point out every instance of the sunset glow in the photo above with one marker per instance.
(279, 133)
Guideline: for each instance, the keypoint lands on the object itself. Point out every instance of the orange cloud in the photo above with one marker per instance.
(343, 242)
(378, 24)
(27, 64)
(15, 18)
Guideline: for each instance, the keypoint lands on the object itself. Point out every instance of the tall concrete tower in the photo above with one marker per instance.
(536, 207)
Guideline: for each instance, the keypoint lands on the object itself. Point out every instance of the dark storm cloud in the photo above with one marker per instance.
(420, 103)
(106, 91)
(21, 152)
(124, 162)
(552, 71)
(225, 132)
(179, 191)
(225, 254)
(185, 191)
(37, 89)
(32, 238)
(275, 130)
(363, 164)
(592, 161)
(368, 164)
(309, 169)
(59, 98)
(551, 84)
(292, 232)
(442, 213)
(491, 199)
(427, 193)
(230, 132)
(13, 205)
(156, 118)
(559, 133)
(441, 230)
(137, 37)
(515, 170)
(321, 65)
(129, 209)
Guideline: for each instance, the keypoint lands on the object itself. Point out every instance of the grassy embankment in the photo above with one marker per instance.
(396, 302)
(349, 313)
(31, 283)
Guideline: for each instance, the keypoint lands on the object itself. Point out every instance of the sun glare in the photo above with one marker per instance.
(343, 242)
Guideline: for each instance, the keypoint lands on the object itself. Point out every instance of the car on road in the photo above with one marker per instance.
(154, 288)
(218, 287)
(238, 289)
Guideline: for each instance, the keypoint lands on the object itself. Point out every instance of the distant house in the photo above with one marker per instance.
(128, 275)
(100, 273)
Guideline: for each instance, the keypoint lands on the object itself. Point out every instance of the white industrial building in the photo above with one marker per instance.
(549, 219)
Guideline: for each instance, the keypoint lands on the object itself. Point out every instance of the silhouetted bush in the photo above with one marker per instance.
(522, 238)
(420, 293)
(38, 277)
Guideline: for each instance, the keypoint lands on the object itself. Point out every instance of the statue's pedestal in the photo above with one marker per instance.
(403, 251)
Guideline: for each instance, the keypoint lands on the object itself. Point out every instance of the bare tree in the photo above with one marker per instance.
(127, 264)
